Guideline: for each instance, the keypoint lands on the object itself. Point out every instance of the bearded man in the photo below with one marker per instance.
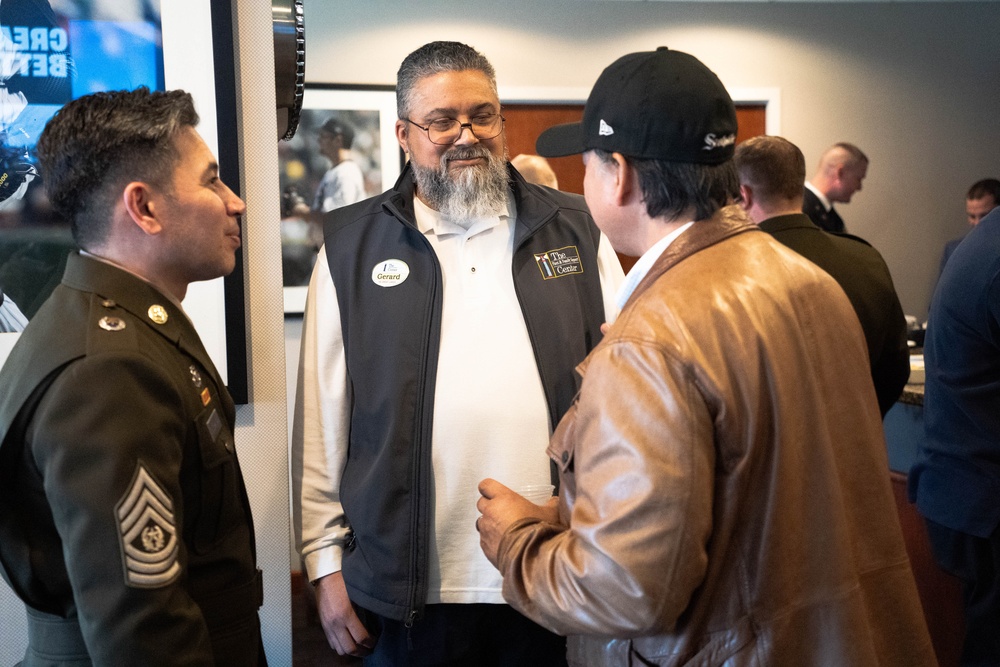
(444, 320)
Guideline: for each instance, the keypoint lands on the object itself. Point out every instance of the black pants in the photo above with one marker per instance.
(459, 635)
(976, 561)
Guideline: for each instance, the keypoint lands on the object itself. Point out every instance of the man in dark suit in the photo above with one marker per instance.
(124, 521)
(955, 479)
(982, 197)
(841, 169)
(771, 172)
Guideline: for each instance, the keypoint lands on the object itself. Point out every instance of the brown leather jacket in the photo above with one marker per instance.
(725, 493)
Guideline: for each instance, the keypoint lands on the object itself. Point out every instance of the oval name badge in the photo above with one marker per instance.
(390, 272)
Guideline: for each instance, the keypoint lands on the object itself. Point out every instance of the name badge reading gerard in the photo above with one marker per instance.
(390, 272)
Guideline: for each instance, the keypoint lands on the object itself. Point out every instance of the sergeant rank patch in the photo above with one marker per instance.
(148, 533)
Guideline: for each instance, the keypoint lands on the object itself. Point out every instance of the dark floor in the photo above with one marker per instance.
(309, 645)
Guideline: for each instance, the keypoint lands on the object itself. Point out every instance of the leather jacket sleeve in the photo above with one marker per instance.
(637, 458)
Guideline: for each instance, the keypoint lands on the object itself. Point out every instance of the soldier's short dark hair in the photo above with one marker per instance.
(95, 145)
(773, 166)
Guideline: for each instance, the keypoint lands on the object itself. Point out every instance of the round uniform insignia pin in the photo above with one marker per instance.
(158, 314)
(111, 323)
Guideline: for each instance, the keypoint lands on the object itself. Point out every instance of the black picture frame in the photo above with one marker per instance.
(224, 48)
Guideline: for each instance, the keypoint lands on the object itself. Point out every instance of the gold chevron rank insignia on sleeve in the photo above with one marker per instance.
(147, 533)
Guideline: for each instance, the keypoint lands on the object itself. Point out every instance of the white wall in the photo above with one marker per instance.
(915, 85)
(261, 425)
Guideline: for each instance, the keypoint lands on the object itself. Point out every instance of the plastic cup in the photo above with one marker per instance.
(537, 493)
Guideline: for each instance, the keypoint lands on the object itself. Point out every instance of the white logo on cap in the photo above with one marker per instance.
(712, 141)
(390, 272)
(605, 129)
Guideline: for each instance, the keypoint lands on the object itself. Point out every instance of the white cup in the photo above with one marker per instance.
(537, 493)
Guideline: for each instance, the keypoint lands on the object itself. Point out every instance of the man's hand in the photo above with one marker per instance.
(501, 507)
(344, 630)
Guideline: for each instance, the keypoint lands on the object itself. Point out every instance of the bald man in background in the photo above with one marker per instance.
(535, 169)
(841, 170)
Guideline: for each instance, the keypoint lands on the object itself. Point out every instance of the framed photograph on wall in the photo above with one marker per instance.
(345, 150)
(53, 52)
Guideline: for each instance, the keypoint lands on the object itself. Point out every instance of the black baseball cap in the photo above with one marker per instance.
(663, 104)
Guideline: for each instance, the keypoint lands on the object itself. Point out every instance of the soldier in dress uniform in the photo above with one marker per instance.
(124, 521)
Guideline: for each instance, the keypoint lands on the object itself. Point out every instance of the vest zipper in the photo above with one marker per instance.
(419, 454)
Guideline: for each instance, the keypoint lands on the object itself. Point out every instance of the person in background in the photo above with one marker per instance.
(124, 521)
(724, 491)
(957, 472)
(12, 319)
(982, 197)
(771, 170)
(343, 183)
(443, 322)
(536, 169)
(841, 170)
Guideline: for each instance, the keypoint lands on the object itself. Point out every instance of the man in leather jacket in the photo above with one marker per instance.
(724, 491)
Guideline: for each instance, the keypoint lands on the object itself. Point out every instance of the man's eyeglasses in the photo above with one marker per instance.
(446, 131)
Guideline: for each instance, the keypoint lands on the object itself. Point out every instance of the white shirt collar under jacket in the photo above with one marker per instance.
(430, 221)
(820, 196)
(645, 263)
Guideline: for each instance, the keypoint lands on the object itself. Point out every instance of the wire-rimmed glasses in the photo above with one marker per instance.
(446, 131)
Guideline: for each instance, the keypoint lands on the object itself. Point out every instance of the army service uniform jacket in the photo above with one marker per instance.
(863, 275)
(829, 221)
(124, 522)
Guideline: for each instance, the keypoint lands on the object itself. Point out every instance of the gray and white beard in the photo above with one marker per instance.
(475, 192)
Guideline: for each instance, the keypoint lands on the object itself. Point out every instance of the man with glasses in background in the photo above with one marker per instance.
(443, 324)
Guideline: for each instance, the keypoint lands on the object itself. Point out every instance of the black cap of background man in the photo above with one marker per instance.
(339, 129)
(662, 105)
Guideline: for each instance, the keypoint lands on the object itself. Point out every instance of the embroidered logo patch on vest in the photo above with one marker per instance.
(559, 263)
(390, 272)
(148, 533)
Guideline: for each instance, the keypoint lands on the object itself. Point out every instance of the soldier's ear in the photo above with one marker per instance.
(141, 208)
